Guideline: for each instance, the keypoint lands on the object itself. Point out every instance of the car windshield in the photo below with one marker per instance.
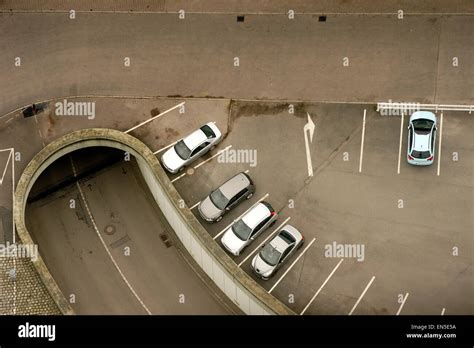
(219, 200)
(270, 255)
(422, 126)
(420, 154)
(208, 131)
(182, 150)
(241, 230)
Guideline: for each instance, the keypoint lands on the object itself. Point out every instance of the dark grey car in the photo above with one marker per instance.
(226, 197)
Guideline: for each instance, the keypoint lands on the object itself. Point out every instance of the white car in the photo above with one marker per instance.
(190, 148)
(277, 251)
(245, 230)
(421, 138)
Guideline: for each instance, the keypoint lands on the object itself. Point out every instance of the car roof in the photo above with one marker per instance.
(279, 244)
(256, 215)
(421, 142)
(234, 185)
(194, 139)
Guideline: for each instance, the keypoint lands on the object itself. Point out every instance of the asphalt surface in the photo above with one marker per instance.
(408, 251)
(140, 242)
(406, 59)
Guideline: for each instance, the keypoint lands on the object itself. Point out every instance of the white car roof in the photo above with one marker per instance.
(279, 244)
(256, 215)
(194, 139)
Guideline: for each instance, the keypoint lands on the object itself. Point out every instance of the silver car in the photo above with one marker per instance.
(421, 138)
(249, 227)
(190, 148)
(277, 251)
(226, 197)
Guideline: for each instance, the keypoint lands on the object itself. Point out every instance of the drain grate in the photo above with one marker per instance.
(240, 18)
(165, 240)
(322, 18)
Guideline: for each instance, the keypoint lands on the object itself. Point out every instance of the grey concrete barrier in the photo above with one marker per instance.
(247, 294)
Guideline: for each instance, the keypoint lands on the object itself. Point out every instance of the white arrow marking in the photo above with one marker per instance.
(309, 126)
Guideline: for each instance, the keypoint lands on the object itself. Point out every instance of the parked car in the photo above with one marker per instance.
(190, 148)
(226, 197)
(421, 138)
(277, 251)
(246, 229)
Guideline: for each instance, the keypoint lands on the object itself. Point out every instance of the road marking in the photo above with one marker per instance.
(178, 177)
(13, 194)
(442, 312)
(195, 205)
(86, 205)
(362, 142)
(403, 303)
(291, 266)
(210, 158)
(260, 245)
(164, 148)
(400, 145)
(6, 165)
(203, 162)
(245, 212)
(308, 126)
(154, 117)
(362, 295)
(440, 139)
(321, 287)
(11, 156)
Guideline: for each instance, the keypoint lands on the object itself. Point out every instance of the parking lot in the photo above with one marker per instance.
(413, 223)
(410, 220)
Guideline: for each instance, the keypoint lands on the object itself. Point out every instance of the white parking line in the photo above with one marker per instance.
(400, 145)
(442, 312)
(440, 139)
(154, 117)
(362, 142)
(195, 205)
(402, 304)
(203, 162)
(245, 212)
(362, 295)
(260, 245)
(322, 286)
(164, 148)
(291, 266)
(210, 158)
(11, 156)
(6, 165)
(86, 205)
(178, 177)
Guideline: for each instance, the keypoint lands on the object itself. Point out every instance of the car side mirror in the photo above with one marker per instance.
(227, 208)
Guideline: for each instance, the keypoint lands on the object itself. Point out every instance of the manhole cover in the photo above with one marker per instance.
(190, 171)
(109, 229)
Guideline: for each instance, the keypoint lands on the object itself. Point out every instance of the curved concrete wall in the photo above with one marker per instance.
(233, 281)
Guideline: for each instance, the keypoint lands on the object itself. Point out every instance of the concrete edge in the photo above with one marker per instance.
(109, 136)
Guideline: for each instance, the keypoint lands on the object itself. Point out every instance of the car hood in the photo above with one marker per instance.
(260, 266)
(232, 242)
(208, 209)
(171, 159)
